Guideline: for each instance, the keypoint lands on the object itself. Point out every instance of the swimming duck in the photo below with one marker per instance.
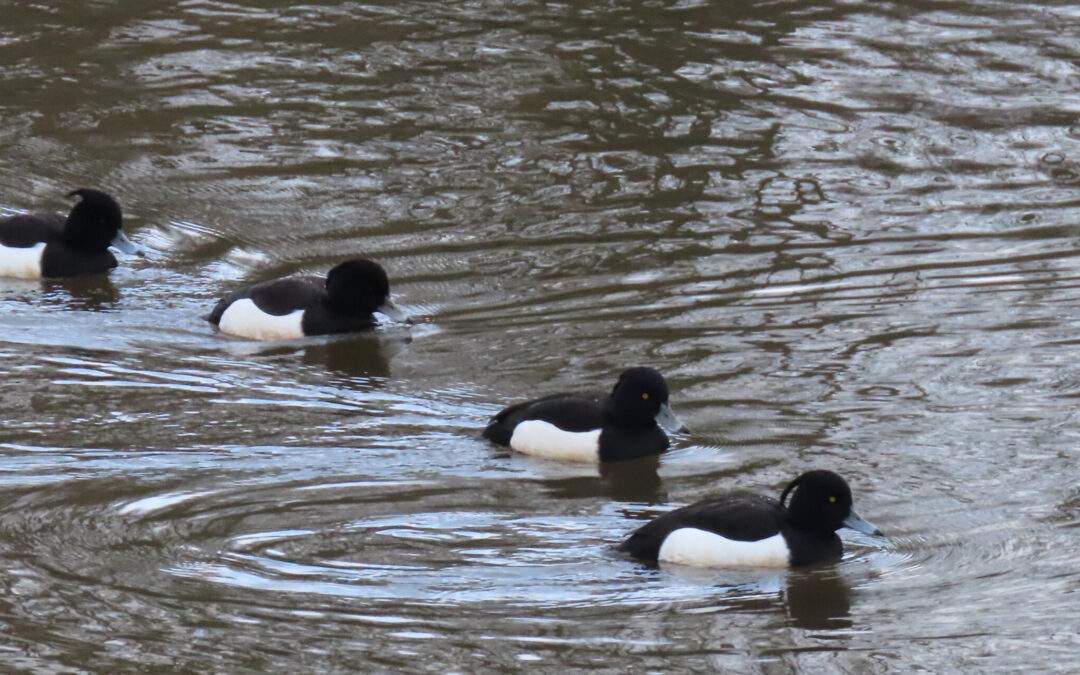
(747, 530)
(591, 427)
(33, 246)
(292, 307)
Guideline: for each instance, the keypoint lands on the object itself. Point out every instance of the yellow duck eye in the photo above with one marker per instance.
(644, 396)
(832, 499)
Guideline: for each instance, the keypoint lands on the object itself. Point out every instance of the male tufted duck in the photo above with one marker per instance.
(746, 530)
(33, 246)
(293, 307)
(591, 427)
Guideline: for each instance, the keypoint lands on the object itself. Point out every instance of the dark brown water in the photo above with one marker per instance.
(846, 231)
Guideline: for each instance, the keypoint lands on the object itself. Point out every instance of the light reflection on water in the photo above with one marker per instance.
(844, 231)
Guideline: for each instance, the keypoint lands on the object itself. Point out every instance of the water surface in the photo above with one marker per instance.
(845, 231)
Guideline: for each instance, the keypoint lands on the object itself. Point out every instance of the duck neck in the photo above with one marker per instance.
(76, 235)
(613, 416)
(810, 525)
(334, 306)
(344, 308)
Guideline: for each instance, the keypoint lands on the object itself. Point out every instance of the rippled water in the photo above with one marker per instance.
(846, 231)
